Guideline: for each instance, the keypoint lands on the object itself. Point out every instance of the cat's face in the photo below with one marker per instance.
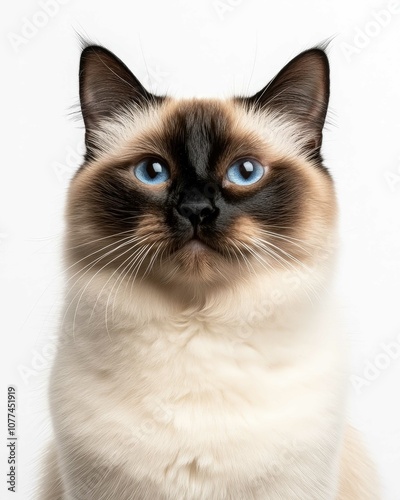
(200, 192)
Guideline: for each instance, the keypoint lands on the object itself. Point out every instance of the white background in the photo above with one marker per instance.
(208, 47)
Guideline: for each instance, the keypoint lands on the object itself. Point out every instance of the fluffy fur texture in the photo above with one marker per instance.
(200, 354)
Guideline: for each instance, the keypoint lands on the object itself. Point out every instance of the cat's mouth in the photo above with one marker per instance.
(197, 245)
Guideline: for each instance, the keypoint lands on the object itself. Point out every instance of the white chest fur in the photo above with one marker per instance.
(208, 404)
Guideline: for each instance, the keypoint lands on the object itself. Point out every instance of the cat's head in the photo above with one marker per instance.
(200, 192)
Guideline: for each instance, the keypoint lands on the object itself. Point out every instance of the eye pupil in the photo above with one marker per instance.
(246, 169)
(153, 169)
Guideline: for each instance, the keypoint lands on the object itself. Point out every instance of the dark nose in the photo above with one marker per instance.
(197, 211)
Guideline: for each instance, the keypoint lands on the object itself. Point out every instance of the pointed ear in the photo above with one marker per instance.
(300, 91)
(106, 85)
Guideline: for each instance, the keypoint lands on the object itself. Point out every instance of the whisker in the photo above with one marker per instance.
(258, 258)
(136, 269)
(270, 244)
(291, 241)
(64, 271)
(246, 260)
(151, 263)
(92, 278)
(85, 243)
(136, 243)
(129, 259)
(285, 262)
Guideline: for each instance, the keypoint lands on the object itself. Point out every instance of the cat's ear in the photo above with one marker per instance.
(106, 85)
(300, 92)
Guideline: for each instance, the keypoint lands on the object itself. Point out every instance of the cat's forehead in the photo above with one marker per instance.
(196, 136)
(197, 133)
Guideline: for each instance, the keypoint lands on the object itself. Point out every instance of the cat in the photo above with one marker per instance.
(200, 354)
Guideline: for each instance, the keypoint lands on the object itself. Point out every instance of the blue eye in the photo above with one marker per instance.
(245, 172)
(152, 171)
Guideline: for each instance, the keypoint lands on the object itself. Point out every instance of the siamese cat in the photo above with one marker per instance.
(200, 353)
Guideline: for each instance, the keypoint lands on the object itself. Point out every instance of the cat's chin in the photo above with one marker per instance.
(197, 246)
(195, 263)
(196, 257)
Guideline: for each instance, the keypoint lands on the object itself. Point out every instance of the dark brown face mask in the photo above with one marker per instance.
(195, 187)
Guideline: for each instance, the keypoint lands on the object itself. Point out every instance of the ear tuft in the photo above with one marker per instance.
(106, 86)
(300, 92)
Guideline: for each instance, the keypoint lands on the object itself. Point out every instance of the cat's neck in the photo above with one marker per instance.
(282, 299)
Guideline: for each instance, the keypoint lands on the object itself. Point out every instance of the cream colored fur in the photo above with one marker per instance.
(237, 394)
